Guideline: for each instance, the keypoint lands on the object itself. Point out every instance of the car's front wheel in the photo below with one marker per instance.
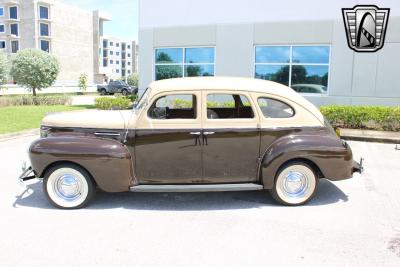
(295, 184)
(103, 92)
(68, 186)
(125, 92)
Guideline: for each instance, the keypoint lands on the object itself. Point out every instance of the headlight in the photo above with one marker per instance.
(44, 131)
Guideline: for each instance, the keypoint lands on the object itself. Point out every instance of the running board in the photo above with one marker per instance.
(196, 188)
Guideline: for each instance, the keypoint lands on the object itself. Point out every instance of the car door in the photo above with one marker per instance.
(231, 137)
(167, 140)
(118, 87)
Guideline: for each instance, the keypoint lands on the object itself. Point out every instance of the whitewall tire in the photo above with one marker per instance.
(68, 186)
(295, 184)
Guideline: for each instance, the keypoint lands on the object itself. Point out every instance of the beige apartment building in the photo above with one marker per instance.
(73, 35)
(118, 58)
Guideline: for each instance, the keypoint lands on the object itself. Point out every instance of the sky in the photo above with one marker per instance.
(124, 13)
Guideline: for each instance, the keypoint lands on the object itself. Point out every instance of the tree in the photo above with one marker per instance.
(83, 82)
(133, 80)
(34, 69)
(4, 68)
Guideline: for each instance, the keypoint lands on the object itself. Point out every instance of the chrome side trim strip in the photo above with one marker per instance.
(197, 188)
(107, 134)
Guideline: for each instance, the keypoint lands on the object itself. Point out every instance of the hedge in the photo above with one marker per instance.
(28, 100)
(363, 117)
(108, 103)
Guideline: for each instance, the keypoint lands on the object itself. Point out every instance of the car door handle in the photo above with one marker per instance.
(209, 133)
(195, 133)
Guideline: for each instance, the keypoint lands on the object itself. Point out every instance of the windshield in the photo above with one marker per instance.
(142, 101)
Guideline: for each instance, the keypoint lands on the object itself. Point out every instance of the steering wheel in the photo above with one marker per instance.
(159, 113)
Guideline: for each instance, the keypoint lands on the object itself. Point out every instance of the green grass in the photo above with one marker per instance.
(19, 118)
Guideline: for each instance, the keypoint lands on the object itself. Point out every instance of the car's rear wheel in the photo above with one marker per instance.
(103, 92)
(295, 184)
(68, 186)
(124, 92)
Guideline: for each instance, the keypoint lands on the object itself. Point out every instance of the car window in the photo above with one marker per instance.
(272, 108)
(174, 107)
(228, 106)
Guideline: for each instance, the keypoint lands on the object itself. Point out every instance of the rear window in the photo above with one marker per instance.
(272, 108)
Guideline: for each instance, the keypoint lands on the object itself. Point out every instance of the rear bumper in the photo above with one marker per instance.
(358, 166)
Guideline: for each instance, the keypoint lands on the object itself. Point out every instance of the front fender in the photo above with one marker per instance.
(332, 158)
(108, 161)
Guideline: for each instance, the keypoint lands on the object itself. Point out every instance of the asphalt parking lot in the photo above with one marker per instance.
(354, 222)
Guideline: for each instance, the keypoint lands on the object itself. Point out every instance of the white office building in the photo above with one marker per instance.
(298, 43)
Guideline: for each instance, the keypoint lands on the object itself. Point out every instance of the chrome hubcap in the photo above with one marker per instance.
(68, 187)
(295, 184)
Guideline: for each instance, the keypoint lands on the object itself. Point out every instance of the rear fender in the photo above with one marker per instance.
(329, 157)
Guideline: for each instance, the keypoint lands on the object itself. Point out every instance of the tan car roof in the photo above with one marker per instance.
(234, 83)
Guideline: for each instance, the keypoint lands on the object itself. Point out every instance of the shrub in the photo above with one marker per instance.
(4, 68)
(112, 103)
(363, 117)
(28, 100)
(133, 80)
(83, 82)
(34, 69)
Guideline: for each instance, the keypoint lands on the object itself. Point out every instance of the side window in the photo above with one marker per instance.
(272, 108)
(173, 107)
(228, 106)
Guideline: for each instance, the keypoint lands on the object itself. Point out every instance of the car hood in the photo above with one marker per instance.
(98, 119)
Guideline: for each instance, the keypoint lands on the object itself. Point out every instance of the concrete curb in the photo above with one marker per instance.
(11, 136)
(370, 136)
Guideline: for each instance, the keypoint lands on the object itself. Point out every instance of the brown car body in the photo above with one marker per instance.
(137, 151)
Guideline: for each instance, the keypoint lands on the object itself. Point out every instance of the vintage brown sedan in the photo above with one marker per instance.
(192, 134)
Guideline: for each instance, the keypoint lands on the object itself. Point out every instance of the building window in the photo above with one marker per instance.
(13, 12)
(14, 29)
(129, 72)
(117, 44)
(184, 62)
(129, 55)
(117, 71)
(1, 11)
(45, 45)
(2, 28)
(111, 52)
(105, 43)
(117, 53)
(129, 63)
(14, 46)
(105, 62)
(111, 61)
(2, 44)
(129, 47)
(123, 73)
(117, 61)
(43, 12)
(111, 44)
(44, 29)
(303, 68)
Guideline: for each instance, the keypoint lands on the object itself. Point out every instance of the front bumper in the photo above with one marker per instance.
(27, 174)
(358, 166)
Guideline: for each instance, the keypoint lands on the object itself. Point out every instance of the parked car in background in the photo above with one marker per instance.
(117, 87)
(190, 135)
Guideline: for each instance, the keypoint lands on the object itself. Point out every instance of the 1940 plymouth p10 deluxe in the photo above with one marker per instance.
(192, 134)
